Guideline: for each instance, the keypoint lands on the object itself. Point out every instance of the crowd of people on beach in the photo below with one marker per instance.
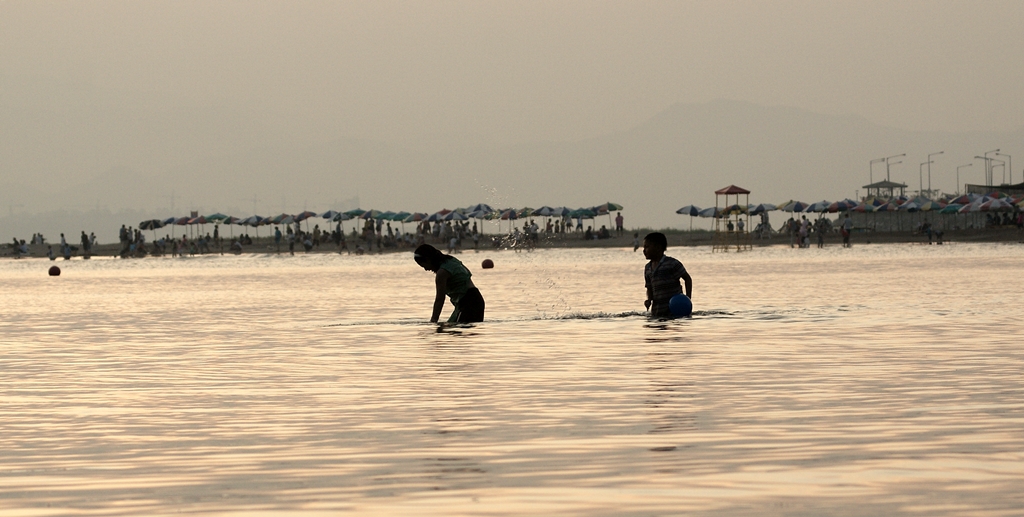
(19, 248)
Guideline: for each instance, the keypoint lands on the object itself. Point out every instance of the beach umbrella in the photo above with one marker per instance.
(819, 207)
(544, 211)
(480, 207)
(607, 207)
(794, 206)
(909, 206)
(370, 214)
(762, 208)
(454, 216)
(329, 215)
(524, 212)
(231, 222)
(931, 206)
(339, 217)
(996, 205)
(710, 212)
(355, 212)
(151, 224)
(304, 215)
(585, 213)
(690, 210)
(951, 208)
(277, 218)
(216, 217)
(438, 216)
(509, 215)
(733, 210)
(415, 217)
(864, 208)
(399, 216)
(972, 207)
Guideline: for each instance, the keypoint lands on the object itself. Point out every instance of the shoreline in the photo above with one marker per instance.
(676, 238)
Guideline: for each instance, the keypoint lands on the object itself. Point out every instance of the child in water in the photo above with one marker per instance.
(662, 275)
(452, 278)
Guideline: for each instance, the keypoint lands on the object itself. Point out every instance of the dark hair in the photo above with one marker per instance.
(429, 256)
(657, 239)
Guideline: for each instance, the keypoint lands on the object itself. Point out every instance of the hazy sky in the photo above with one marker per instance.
(512, 71)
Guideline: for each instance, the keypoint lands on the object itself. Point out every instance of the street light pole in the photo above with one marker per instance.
(930, 172)
(920, 177)
(871, 171)
(1008, 166)
(887, 164)
(958, 176)
(1001, 164)
(988, 167)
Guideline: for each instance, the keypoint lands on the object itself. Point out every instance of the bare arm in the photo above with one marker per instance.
(688, 282)
(441, 283)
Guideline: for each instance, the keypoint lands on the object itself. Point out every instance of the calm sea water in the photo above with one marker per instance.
(879, 380)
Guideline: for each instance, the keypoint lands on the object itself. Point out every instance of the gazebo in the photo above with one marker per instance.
(732, 226)
(885, 189)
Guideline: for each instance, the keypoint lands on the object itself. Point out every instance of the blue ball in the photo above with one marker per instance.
(680, 305)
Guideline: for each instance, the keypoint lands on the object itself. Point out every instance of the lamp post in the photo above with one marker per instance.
(1009, 166)
(988, 167)
(958, 176)
(871, 175)
(920, 177)
(1002, 164)
(930, 172)
(887, 164)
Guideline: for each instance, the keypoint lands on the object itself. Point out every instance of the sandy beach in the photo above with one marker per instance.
(676, 238)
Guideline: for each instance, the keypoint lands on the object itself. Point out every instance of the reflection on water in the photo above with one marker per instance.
(873, 381)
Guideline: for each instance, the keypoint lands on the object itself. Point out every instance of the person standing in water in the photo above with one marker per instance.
(662, 275)
(452, 278)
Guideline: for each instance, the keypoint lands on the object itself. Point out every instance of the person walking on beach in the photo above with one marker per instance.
(277, 238)
(453, 279)
(618, 223)
(846, 229)
(662, 275)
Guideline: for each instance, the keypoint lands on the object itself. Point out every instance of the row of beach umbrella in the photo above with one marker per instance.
(480, 211)
(960, 204)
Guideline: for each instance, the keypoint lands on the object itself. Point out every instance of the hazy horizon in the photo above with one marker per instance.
(406, 105)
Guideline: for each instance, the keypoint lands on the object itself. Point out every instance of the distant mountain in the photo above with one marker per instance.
(220, 160)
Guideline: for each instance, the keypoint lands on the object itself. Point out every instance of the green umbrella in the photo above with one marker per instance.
(607, 207)
(355, 212)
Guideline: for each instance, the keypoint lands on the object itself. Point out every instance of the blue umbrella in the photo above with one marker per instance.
(690, 210)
